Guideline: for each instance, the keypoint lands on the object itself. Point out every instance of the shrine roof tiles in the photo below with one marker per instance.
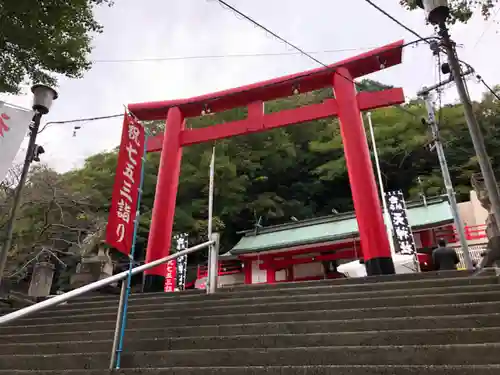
(437, 212)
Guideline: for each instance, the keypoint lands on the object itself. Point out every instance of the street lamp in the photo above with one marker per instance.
(436, 10)
(43, 96)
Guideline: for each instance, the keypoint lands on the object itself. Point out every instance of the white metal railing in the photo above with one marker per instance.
(213, 246)
(475, 252)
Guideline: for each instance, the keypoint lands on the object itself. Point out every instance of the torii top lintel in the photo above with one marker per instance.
(358, 66)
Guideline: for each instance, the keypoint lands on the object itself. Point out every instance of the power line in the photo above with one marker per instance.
(244, 55)
(248, 18)
(487, 27)
(78, 120)
(394, 19)
(427, 40)
(488, 87)
(267, 30)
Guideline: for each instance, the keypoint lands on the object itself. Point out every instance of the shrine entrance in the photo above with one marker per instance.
(347, 106)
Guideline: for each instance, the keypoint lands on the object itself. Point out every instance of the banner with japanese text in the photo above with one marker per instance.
(120, 228)
(14, 124)
(171, 276)
(175, 278)
(396, 205)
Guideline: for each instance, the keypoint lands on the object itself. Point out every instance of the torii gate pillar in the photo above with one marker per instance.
(346, 105)
(360, 170)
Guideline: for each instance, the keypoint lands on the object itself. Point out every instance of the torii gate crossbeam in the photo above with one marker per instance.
(346, 106)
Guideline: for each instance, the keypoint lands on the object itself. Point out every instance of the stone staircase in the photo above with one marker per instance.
(412, 324)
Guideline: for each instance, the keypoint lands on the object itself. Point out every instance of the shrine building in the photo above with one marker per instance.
(300, 250)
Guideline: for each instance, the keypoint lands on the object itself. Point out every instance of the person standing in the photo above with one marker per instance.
(444, 258)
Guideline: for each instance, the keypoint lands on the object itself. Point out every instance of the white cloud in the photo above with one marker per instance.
(157, 28)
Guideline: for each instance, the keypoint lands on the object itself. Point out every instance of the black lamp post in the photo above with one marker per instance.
(42, 101)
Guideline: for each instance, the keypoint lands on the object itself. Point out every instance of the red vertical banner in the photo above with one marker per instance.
(120, 228)
(171, 276)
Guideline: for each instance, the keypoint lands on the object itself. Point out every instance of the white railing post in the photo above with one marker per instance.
(213, 264)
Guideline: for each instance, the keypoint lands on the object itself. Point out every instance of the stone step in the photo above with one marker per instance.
(319, 311)
(475, 321)
(160, 342)
(317, 302)
(376, 280)
(338, 292)
(326, 295)
(456, 355)
(367, 280)
(289, 370)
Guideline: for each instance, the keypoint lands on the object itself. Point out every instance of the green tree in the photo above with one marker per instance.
(39, 38)
(461, 10)
(296, 171)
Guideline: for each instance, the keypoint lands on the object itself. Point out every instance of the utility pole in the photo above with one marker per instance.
(447, 180)
(437, 14)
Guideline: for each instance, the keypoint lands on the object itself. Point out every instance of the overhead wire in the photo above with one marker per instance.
(427, 40)
(493, 92)
(87, 119)
(244, 55)
(486, 28)
(267, 30)
(288, 43)
(394, 19)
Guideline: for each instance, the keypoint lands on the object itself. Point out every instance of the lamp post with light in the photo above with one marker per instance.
(42, 101)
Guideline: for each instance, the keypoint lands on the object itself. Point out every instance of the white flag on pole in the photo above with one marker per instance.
(14, 123)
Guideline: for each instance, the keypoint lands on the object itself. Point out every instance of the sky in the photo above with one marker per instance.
(156, 29)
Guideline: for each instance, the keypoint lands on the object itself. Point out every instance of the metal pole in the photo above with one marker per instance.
(123, 317)
(387, 218)
(213, 271)
(17, 197)
(118, 325)
(474, 129)
(447, 182)
(213, 257)
(211, 194)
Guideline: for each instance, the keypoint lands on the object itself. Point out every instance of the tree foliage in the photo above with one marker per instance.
(264, 177)
(39, 38)
(460, 10)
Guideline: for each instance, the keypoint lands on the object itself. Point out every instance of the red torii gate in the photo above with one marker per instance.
(346, 105)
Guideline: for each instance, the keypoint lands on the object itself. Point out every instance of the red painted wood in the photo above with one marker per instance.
(366, 63)
(426, 238)
(270, 272)
(360, 170)
(255, 124)
(305, 249)
(284, 263)
(373, 100)
(160, 233)
(247, 268)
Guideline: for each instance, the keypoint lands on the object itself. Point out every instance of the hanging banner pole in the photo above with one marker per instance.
(126, 291)
(213, 268)
(211, 194)
(387, 217)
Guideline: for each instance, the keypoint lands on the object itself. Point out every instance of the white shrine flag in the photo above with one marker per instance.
(14, 123)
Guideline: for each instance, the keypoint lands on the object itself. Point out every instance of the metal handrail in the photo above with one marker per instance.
(96, 285)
